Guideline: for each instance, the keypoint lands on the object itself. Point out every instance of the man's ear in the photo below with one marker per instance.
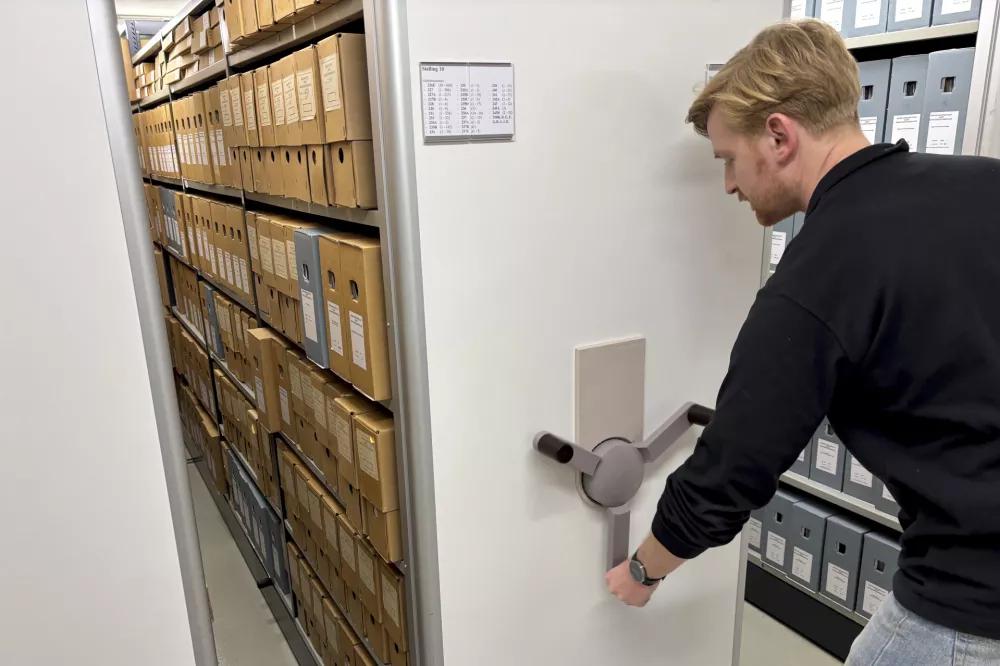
(783, 136)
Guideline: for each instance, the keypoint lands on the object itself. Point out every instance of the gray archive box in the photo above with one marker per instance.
(807, 541)
(833, 12)
(169, 205)
(214, 335)
(955, 11)
(801, 464)
(802, 9)
(828, 455)
(781, 236)
(775, 549)
(879, 563)
(858, 481)
(865, 17)
(946, 104)
(755, 529)
(884, 501)
(799, 223)
(874, 78)
(909, 14)
(907, 88)
(842, 560)
(314, 334)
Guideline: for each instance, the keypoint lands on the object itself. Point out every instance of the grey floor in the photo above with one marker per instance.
(247, 635)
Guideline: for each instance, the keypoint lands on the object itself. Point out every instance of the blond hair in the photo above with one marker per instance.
(799, 68)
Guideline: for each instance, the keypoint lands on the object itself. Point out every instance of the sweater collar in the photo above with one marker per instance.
(852, 163)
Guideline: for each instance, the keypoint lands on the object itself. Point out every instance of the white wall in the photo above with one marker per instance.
(605, 218)
(89, 572)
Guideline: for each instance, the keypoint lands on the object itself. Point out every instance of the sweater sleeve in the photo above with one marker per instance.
(782, 374)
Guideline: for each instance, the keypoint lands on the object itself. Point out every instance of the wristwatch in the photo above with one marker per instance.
(638, 571)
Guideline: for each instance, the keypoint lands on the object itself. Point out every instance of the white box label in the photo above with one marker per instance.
(336, 333)
(234, 97)
(246, 276)
(868, 13)
(367, 458)
(366, 570)
(347, 549)
(776, 548)
(261, 403)
(832, 11)
(265, 108)
(251, 115)
(280, 261)
(222, 148)
(345, 446)
(283, 397)
(869, 126)
(265, 254)
(296, 381)
(309, 315)
(802, 456)
(252, 237)
(942, 129)
(909, 10)
(874, 596)
(291, 107)
(390, 600)
(358, 340)
(798, 9)
(837, 581)
(802, 563)
(827, 454)
(330, 79)
(211, 255)
(778, 239)
(229, 269)
(293, 262)
(906, 126)
(307, 107)
(222, 263)
(278, 100)
(955, 6)
(753, 533)
(886, 495)
(859, 475)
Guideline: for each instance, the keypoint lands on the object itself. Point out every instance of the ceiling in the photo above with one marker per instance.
(149, 8)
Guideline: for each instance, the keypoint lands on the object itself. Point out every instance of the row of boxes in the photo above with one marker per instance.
(858, 18)
(155, 140)
(193, 365)
(826, 553)
(922, 98)
(227, 333)
(187, 297)
(261, 524)
(202, 435)
(250, 21)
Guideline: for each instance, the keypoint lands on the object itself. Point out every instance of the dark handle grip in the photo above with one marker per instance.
(700, 415)
(552, 447)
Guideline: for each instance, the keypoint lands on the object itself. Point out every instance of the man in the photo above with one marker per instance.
(885, 314)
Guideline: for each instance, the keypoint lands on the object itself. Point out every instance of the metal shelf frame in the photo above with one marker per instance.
(915, 35)
(352, 215)
(842, 500)
(209, 188)
(204, 77)
(189, 327)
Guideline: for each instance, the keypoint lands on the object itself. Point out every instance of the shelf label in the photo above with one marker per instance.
(906, 126)
(753, 533)
(874, 596)
(466, 101)
(868, 14)
(869, 126)
(942, 129)
(776, 548)
(802, 563)
(336, 333)
(955, 6)
(909, 10)
(860, 475)
(778, 239)
(358, 340)
(837, 581)
(827, 455)
(832, 12)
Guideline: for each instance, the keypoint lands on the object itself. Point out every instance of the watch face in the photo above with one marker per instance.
(638, 572)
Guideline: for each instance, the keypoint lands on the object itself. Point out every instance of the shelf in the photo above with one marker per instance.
(307, 461)
(305, 639)
(153, 46)
(179, 257)
(755, 559)
(355, 215)
(155, 99)
(191, 329)
(229, 293)
(916, 35)
(844, 501)
(210, 74)
(317, 25)
(253, 475)
(166, 180)
(246, 390)
(208, 188)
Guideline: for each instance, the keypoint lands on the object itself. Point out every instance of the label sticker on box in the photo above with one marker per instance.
(307, 107)
(330, 78)
(265, 254)
(942, 130)
(246, 276)
(336, 333)
(319, 408)
(211, 254)
(366, 570)
(277, 99)
(955, 6)
(283, 397)
(754, 529)
(906, 126)
(860, 475)
(827, 455)
(291, 106)
(886, 495)
(296, 381)
(347, 549)
(358, 340)
(837, 581)
(874, 596)
(909, 10)
(869, 126)
(229, 268)
(832, 12)
(802, 564)
(252, 237)
(802, 456)
(251, 116)
(309, 315)
(222, 263)
(778, 239)
(261, 403)
(315, 508)
(868, 14)
(345, 445)
(330, 527)
(222, 147)
(234, 100)
(367, 458)
(390, 600)
(776, 548)
(265, 111)
(280, 262)
(293, 265)
(204, 148)
(798, 9)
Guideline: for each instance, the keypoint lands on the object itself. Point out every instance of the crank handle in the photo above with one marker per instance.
(566, 453)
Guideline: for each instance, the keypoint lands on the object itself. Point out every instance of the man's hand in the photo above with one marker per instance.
(622, 585)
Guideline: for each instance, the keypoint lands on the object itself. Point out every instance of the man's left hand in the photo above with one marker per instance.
(622, 585)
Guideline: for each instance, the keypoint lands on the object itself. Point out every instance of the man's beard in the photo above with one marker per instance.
(774, 205)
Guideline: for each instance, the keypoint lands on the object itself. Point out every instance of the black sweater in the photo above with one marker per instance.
(884, 314)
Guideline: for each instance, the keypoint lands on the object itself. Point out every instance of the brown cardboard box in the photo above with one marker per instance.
(265, 16)
(343, 64)
(250, 108)
(331, 618)
(295, 173)
(277, 104)
(238, 246)
(347, 641)
(334, 389)
(361, 657)
(331, 512)
(334, 289)
(292, 359)
(263, 89)
(319, 626)
(236, 167)
(316, 495)
(353, 174)
(293, 128)
(348, 552)
(346, 410)
(253, 242)
(279, 278)
(284, 389)
(351, 495)
(262, 351)
(361, 265)
(260, 182)
(217, 53)
(376, 636)
(307, 83)
(266, 255)
(182, 29)
(236, 106)
(284, 11)
(274, 171)
(393, 604)
(249, 15)
(291, 319)
(225, 109)
(318, 383)
(376, 459)
(317, 175)
(370, 578)
(246, 168)
(384, 530)
(221, 168)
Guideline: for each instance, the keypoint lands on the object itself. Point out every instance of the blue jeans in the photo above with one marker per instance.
(897, 637)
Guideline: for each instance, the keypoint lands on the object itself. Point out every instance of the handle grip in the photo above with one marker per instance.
(553, 447)
(700, 415)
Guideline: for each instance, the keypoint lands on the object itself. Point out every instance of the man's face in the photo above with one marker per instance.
(753, 172)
